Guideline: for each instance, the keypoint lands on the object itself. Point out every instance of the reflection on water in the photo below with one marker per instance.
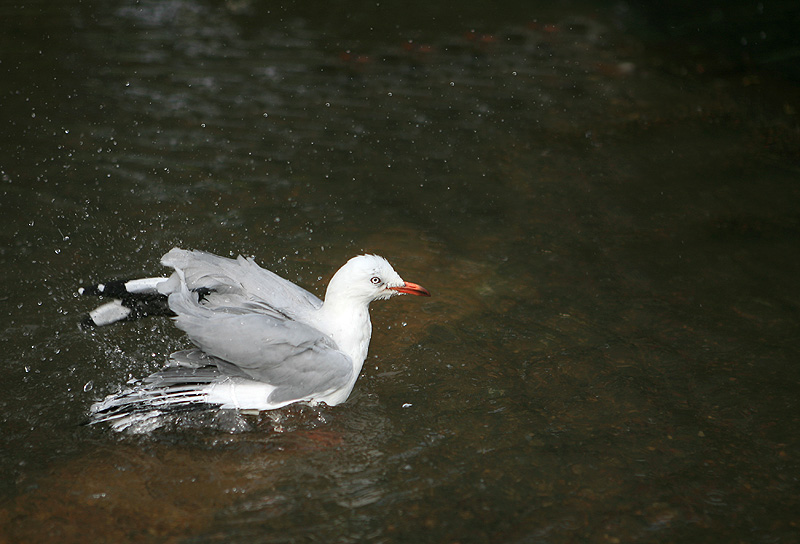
(610, 240)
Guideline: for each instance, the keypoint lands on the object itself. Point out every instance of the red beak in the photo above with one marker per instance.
(411, 289)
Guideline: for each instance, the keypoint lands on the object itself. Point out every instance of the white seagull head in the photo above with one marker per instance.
(369, 277)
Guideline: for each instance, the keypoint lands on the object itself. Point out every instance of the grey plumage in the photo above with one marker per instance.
(296, 357)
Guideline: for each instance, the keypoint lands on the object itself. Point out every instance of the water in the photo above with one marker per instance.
(609, 232)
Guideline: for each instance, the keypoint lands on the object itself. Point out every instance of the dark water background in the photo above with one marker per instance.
(603, 201)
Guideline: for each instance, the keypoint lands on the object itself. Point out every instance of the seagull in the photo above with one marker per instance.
(260, 341)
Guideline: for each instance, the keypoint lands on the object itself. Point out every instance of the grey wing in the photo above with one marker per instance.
(237, 283)
(300, 360)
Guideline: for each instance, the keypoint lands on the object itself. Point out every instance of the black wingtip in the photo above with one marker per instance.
(113, 289)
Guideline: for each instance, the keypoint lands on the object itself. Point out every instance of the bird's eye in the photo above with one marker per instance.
(375, 280)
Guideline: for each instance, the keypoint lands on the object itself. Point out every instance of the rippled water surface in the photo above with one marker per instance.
(609, 230)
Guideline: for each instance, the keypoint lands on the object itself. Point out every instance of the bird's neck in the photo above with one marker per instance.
(348, 324)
